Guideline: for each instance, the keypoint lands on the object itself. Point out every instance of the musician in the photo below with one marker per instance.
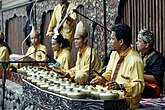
(5, 50)
(61, 54)
(80, 72)
(125, 67)
(154, 64)
(35, 46)
(68, 27)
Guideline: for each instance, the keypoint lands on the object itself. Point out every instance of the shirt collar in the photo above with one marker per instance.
(147, 53)
(57, 53)
(36, 46)
(124, 53)
(82, 51)
(143, 55)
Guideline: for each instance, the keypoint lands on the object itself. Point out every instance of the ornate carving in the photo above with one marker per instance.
(11, 13)
(52, 101)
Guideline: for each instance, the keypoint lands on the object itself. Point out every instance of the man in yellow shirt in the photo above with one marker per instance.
(80, 72)
(33, 50)
(61, 54)
(68, 28)
(4, 50)
(125, 68)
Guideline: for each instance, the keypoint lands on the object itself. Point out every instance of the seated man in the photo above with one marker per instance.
(61, 54)
(80, 72)
(33, 50)
(5, 51)
(124, 71)
(154, 64)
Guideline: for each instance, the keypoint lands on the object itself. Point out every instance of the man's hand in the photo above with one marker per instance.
(112, 85)
(64, 74)
(104, 69)
(50, 34)
(97, 81)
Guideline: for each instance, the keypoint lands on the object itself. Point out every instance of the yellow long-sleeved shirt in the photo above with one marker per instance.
(68, 27)
(83, 62)
(38, 55)
(4, 54)
(64, 57)
(130, 75)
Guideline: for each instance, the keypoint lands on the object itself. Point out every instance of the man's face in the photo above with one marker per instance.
(79, 42)
(34, 40)
(141, 45)
(114, 43)
(63, 1)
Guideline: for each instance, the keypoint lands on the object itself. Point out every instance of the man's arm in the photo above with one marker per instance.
(149, 78)
(52, 24)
